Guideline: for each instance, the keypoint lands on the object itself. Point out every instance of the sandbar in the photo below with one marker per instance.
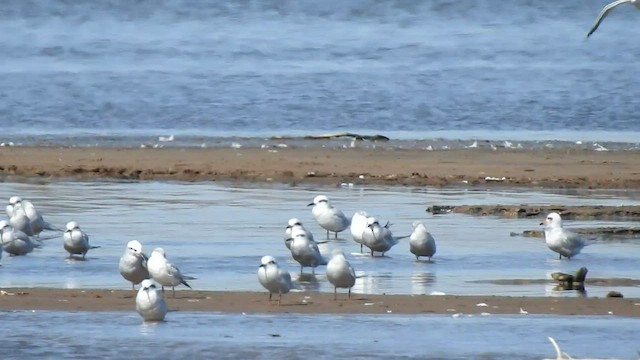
(405, 167)
(317, 303)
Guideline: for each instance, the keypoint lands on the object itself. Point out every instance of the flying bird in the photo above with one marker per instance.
(607, 9)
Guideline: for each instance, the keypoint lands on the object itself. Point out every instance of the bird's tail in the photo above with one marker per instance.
(51, 227)
(185, 283)
(42, 238)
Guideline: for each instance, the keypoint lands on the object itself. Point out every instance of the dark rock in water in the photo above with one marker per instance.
(375, 137)
(526, 211)
(571, 282)
(562, 277)
(602, 233)
(581, 275)
(440, 209)
(614, 294)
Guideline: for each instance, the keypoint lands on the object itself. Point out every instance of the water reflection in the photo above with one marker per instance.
(308, 282)
(422, 281)
(578, 288)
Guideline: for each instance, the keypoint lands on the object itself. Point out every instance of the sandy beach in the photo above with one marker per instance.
(544, 168)
(305, 302)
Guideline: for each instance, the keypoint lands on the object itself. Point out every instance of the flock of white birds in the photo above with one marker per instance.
(20, 235)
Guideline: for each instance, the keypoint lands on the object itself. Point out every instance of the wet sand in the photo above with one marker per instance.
(301, 302)
(530, 168)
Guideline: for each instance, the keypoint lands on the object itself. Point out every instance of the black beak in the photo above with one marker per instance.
(311, 204)
(261, 266)
(542, 223)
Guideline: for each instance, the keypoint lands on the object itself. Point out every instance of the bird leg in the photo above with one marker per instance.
(280, 298)
(349, 293)
(335, 293)
(327, 234)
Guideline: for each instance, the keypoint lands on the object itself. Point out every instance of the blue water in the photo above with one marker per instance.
(99, 72)
(83, 335)
(219, 232)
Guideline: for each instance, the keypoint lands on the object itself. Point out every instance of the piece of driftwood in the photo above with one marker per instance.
(338, 135)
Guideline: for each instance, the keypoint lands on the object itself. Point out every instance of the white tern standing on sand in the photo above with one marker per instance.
(165, 273)
(273, 278)
(340, 273)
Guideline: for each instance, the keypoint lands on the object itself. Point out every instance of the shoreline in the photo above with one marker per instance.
(397, 167)
(50, 299)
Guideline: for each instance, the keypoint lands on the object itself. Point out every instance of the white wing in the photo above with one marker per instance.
(605, 11)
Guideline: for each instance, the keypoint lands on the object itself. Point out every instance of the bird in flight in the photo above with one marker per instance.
(607, 9)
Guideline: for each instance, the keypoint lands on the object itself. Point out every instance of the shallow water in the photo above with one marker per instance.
(218, 232)
(78, 335)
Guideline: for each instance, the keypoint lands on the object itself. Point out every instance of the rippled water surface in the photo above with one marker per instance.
(235, 336)
(218, 232)
(408, 69)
